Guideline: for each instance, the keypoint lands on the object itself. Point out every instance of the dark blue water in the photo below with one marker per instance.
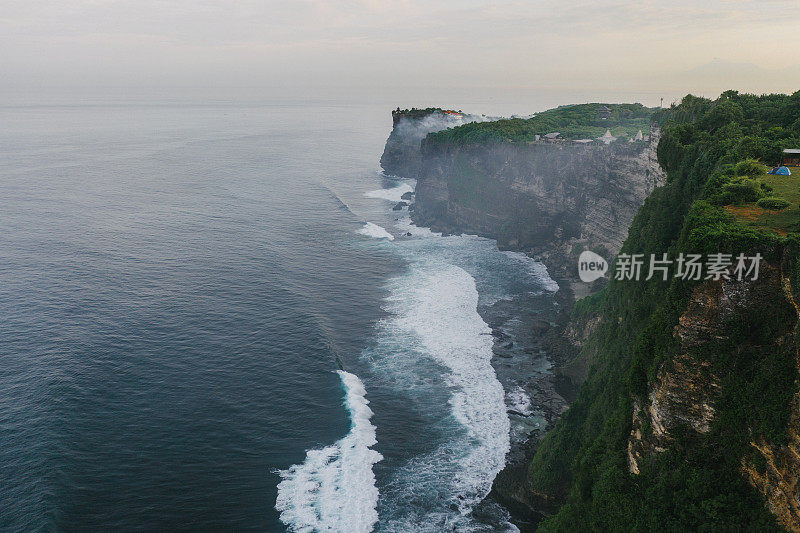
(179, 286)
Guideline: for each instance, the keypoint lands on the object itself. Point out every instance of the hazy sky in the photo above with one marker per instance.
(312, 45)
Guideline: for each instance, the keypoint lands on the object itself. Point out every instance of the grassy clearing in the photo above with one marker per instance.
(782, 222)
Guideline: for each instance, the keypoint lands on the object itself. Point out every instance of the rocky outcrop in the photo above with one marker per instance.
(682, 396)
(551, 200)
(774, 470)
(777, 476)
(401, 155)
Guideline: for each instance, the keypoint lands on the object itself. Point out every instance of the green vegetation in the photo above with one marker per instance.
(779, 211)
(590, 305)
(707, 148)
(582, 121)
(756, 199)
(751, 168)
(417, 113)
(777, 204)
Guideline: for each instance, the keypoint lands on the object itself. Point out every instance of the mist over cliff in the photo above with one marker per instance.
(402, 157)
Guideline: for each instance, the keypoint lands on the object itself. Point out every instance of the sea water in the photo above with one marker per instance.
(211, 318)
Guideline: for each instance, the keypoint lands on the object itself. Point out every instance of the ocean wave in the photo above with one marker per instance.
(405, 225)
(536, 269)
(393, 194)
(334, 488)
(519, 401)
(375, 231)
(434, 309)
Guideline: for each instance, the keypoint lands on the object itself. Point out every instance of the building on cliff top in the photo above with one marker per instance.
(791, 156)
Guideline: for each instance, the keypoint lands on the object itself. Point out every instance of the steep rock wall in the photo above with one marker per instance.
(401, 155)
(552, 200)
(683, 394)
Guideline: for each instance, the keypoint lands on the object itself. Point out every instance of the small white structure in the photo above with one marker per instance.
(552, 136)
(607, 138)
(584, 141)
(638, 137)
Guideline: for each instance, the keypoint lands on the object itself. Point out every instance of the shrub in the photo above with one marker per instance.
(773, 203)
(743, 191)
(750, 167)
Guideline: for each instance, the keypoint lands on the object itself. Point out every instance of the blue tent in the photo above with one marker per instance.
(783, 171)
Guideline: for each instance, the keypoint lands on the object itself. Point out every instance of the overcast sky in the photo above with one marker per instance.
(311, 45)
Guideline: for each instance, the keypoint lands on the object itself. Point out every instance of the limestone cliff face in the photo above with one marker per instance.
(683, 394)
(552, 200)
(779, 479)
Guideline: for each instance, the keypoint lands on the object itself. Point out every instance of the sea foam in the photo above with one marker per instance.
(519, 401)
(536, 269)
(334, 488)
(434, 311)
(393, 194)
(375, 231)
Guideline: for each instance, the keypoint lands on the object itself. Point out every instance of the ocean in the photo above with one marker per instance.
(211, 318)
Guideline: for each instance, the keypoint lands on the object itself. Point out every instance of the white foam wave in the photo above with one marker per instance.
(393, 194)
(375, 231)
(405, 225)
(434, 307)
(519, 401)
(536, 269)
(334, 488)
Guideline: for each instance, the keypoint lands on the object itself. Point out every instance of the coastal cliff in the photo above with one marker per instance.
(402, 156)
(688, 416)
(682, 397)
(550, 199)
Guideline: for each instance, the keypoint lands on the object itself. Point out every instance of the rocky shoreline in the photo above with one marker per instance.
(530, 349)
(551, 202)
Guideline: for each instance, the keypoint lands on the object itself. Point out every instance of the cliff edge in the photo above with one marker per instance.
(551, 198)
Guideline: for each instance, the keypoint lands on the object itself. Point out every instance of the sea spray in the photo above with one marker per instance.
(375, 231)
(334, 488)
(394, 194)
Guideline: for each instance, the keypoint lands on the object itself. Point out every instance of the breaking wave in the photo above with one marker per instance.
(334, 488)
(393, 195)
(373, 230)
(434, 321)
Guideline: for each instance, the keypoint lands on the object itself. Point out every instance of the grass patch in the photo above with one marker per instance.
(781, 222)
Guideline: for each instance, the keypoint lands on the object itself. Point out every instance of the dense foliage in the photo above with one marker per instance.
(417, 113)
(708, 149)
(583, 121)
(773, 203)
